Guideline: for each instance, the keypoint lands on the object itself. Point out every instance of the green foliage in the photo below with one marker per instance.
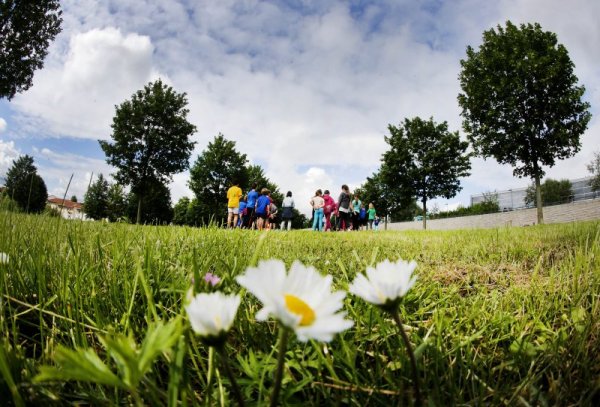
(594, 168)
(116, 203)
(96, 199)
(521, 103)
(150, 138)
(425, 160)
(8, 204)
(300, 221)
(73, 198)
(215, 170)
(553, 192)
(133, 362)
(156, 205)
(25, 186)
(26, 30)
(480, 208)
(180, 211)
(387, 201)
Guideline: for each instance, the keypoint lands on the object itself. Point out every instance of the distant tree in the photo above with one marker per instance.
(257, 174)
(73, 198)
(96, 199)
(116, 203)
(521, 103)
(594, 168)
(388, 201)
(26, 29)
(215, 170)
(156, 205)
(300, 221)
(25, 186)
(425, 160)
(180, 211)
(553, 192)
(151, 139)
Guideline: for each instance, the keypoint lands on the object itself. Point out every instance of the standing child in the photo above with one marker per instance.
(234, 193)
(371, 215)
(242, 211)
(317, 204)
(262, 208)
(328, 209)
(287, 211)
(251, 207)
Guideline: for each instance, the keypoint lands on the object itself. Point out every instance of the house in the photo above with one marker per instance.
(67, 208)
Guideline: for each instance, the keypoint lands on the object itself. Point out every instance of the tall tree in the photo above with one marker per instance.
(257, 174)
(25, 186)
(26, 29)
(425, 160)
(594, 168)
(95, 200)
(156, 206)
(215, 170)
(553, 192)
(521, 103)
(151, 139)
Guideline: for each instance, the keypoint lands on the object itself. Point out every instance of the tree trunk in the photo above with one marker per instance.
(139, 211)
(538, 200)
(424, 214)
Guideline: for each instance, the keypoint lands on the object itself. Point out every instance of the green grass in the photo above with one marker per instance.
(498, 317)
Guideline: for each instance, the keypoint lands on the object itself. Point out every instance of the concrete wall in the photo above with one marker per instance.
(579, 210)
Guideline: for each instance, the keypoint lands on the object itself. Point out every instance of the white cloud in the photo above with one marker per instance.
(76, 97)
(8, 153)
(3, 125)
(57, 168)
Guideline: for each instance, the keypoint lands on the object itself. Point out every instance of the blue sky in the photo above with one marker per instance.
(305, 88)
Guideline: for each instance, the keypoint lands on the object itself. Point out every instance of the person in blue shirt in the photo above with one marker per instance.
(262, 208)
(250, 207)
(242, 211)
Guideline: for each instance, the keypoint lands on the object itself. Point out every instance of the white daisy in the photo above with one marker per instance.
(211, 315)
(301, 299)
(4, 259)
(386, 283)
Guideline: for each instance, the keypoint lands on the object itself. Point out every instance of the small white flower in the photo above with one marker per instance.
(386, 283)
(301, 300)
(4, 259)
(211, 315)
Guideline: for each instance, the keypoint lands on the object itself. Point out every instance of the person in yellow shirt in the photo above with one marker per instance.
(233, 203)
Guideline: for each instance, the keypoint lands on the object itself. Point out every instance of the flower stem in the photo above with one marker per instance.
(211, 355)
(236, 389)
(283, 336)
(413, 362)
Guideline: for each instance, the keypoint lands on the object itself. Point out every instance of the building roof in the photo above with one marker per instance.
(65, 203)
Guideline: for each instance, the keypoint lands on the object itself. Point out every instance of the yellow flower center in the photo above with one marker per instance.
(296, 306)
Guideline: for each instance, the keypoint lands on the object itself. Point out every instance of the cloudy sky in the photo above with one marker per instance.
(305, 88)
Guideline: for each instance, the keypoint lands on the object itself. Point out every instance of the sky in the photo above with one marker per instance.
(305, 88)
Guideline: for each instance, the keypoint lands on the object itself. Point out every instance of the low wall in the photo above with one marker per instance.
(579, 210)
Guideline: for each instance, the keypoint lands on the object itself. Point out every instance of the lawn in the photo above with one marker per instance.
(509, 316)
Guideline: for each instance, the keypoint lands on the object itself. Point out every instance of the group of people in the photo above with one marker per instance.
(257, 210)
(347, 213)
